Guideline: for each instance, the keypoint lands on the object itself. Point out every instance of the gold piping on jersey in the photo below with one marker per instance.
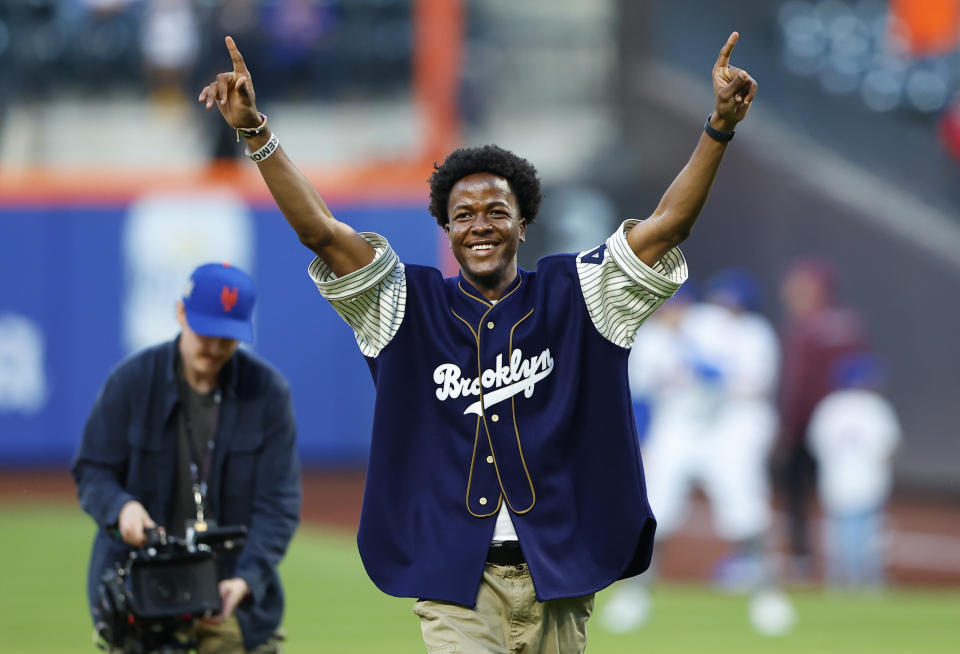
(523, 461)
(473, 459)
(469, 326)
(485, 301)
(476, 436)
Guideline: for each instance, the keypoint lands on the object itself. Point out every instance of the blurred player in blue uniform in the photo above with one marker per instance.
(708, 371)
(853, 434)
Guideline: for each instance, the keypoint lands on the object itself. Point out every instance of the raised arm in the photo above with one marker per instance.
(673, 218)
(335, 242)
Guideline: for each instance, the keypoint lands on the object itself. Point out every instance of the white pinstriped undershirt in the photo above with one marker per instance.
(620, 292)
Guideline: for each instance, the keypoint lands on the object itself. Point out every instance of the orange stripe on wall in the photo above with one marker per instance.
(390, 182)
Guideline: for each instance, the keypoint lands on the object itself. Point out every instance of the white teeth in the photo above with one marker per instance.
(485, 246)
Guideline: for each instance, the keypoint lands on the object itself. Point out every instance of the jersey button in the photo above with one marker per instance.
(495, 417)
(482, 500)
(490, 325)
(489, 459)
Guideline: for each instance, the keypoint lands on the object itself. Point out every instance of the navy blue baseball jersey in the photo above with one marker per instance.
(521, 406)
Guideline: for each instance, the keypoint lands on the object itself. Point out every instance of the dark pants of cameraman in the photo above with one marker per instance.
(226, 638)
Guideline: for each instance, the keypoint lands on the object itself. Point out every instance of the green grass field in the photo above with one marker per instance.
(333, 607)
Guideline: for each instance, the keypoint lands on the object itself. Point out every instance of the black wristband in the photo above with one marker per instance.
(716, 134)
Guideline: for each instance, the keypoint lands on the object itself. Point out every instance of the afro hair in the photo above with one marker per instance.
(519, 173)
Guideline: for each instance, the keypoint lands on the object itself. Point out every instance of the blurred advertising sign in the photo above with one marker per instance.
(23, 379)
(165, 237)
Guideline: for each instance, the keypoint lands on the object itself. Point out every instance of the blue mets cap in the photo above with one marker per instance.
(219, 302)
(737, 286)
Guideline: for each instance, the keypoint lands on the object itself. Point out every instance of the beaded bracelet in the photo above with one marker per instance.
(250, 132)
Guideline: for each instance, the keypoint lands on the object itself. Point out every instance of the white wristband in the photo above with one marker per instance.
(268, 148)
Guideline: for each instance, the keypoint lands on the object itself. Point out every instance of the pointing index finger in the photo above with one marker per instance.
(238, 65)
(723, 59)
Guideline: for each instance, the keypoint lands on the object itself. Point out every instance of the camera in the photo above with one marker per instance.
(146, 601)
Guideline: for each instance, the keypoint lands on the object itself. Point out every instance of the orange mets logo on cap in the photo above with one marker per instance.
(228, 297)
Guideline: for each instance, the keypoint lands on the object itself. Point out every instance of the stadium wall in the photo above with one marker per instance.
(87, 282)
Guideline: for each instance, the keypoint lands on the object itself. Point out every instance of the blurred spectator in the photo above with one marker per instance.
(853, 434)
(99, 42)
(296, 29)
(332, 49)
(816, 333)
(170, 45)
(708, 371)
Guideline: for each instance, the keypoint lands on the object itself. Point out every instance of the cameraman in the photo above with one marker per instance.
(197, 414)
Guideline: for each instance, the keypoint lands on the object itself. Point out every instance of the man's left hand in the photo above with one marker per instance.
(733, 87)
(232, 592)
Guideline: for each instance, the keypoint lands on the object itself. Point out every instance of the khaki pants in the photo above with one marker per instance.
(507, 619)
(225, 638)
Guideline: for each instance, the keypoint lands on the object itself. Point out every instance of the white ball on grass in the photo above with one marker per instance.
(772, 613)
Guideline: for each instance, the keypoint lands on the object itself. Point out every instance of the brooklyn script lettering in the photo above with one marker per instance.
(504, 380)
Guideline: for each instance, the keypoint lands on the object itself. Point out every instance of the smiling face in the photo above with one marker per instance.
(485, 229)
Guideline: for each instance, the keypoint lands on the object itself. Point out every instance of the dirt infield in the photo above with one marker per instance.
(923, 538)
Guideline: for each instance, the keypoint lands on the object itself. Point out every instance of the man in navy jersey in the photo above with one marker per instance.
(504, 485)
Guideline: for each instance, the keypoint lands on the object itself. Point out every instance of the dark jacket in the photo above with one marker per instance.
(129, 451)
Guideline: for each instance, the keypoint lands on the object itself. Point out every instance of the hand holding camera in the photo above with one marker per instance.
(232, 592)
(133, 523)
(146, 601)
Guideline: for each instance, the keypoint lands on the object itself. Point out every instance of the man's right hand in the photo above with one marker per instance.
(232, 92)
(132, 522)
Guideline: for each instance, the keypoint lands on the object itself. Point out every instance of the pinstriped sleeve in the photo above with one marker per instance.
(621, 291)
(371, 300)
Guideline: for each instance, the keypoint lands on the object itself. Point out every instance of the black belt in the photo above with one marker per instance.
(507, 552)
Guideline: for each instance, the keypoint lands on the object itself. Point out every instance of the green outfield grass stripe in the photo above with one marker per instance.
(332, 606)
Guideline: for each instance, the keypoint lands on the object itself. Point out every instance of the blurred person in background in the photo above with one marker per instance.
(503, 440)
(196, 429)
(170, 41)
(853, 434)
(708, 370)
(815, 334)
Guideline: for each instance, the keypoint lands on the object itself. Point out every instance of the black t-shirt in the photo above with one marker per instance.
(197, 417)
